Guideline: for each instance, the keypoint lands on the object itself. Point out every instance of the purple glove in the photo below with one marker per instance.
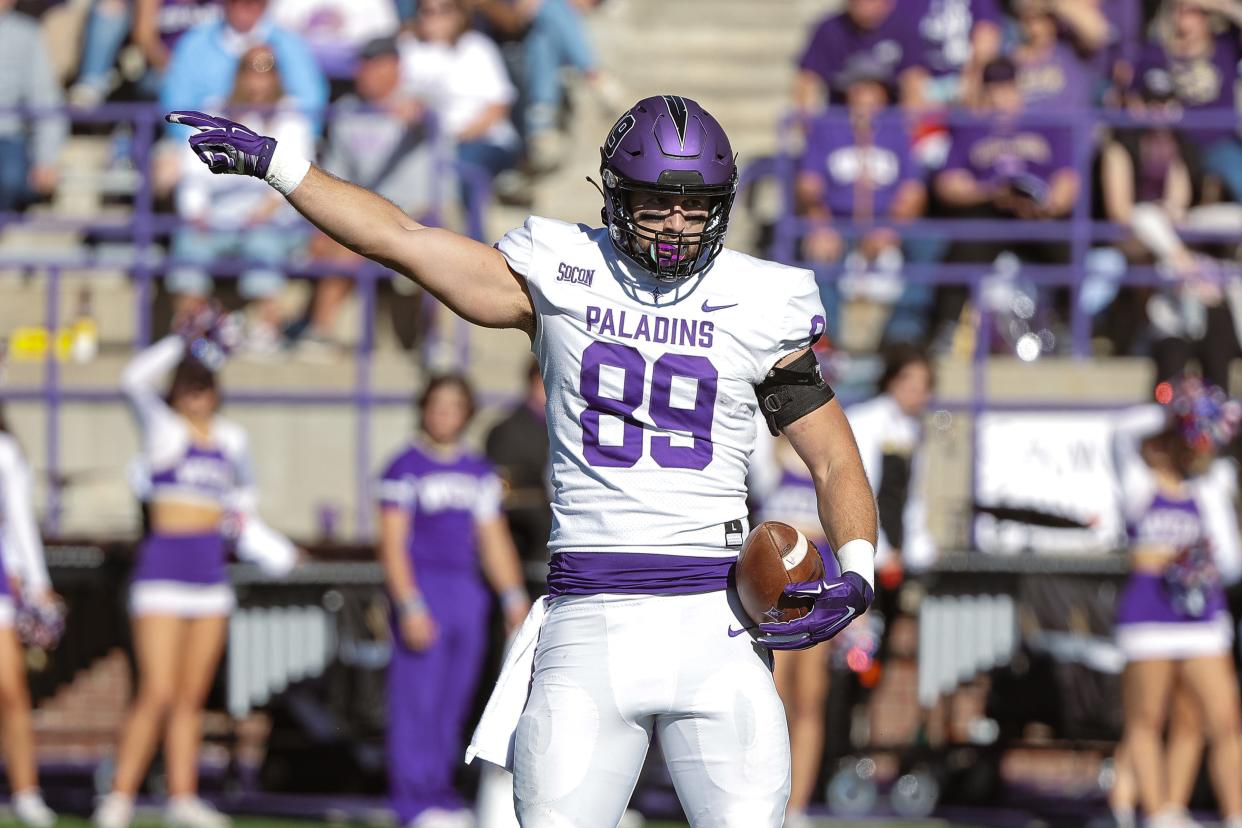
(226, 146)
(837, 602)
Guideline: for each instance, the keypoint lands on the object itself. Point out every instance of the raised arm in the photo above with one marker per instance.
(469, 277)
(140, 377)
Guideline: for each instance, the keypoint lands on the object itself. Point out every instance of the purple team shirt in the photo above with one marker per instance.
(837, 41)
(1000, 151)
(446, 498)
(834, 153)
(1058, 79)
(1198, 83)
(945, 28)
(176, 17)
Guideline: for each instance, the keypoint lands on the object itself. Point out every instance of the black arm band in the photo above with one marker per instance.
(789, 393)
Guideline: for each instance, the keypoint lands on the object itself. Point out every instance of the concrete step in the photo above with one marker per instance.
(699, 80)
(720, 15)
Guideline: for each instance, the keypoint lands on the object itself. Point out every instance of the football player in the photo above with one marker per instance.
(656, 345)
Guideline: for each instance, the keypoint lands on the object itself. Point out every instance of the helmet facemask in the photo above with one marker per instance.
(668, 256)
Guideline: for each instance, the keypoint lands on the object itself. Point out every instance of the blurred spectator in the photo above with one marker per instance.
(157, 26)
(1004, 168)
(1051, 71)
(336, 29)
(958, 38)
(1198, 56)
(868, 30)
(518, 446)
(107, 26)
(459, 74)
(552, 38)
(442, 542)
(860, 171)
(27, 161)
(1148, 185)
(379, 139)
(235, 217)
(204, 62)
(889, 431)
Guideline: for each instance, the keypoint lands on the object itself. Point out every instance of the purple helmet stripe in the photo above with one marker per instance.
(678, 111)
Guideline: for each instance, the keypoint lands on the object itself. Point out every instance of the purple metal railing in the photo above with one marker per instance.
(1079, 229)
(144, 224)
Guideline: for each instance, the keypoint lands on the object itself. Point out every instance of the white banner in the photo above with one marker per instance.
(1059, 463)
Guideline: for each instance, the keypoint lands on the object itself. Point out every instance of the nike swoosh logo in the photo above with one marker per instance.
(735, 633)
(710, 308)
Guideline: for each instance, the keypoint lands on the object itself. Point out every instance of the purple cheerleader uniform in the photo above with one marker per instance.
(185, 574)
(1151, 622)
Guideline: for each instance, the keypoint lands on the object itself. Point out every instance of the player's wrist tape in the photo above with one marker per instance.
(286, 170)
(413, 604)
(858, 556)
(513, 595)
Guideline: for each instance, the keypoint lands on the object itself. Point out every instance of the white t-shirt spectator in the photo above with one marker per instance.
(459, 82)
(336, 29)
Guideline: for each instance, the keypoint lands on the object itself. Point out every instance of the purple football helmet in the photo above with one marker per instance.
(667, 144)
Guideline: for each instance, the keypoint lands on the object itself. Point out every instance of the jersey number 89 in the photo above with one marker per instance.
(696, 420)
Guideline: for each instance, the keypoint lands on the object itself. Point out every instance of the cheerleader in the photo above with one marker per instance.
(23, 578)
(1172, 625)
(442, 535)
(200, 482)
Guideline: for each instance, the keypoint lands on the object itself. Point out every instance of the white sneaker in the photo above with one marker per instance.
(114, 811)
(1172, 818)
(192, 812)
(31, 810)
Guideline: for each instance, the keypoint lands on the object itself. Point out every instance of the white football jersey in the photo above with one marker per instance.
(651, 400)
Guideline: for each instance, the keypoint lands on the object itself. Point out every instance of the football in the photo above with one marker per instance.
(775, 555)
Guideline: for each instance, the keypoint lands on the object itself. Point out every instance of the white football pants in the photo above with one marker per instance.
(610, 669)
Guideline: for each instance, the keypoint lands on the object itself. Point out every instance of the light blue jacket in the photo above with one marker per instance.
(202, 67)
